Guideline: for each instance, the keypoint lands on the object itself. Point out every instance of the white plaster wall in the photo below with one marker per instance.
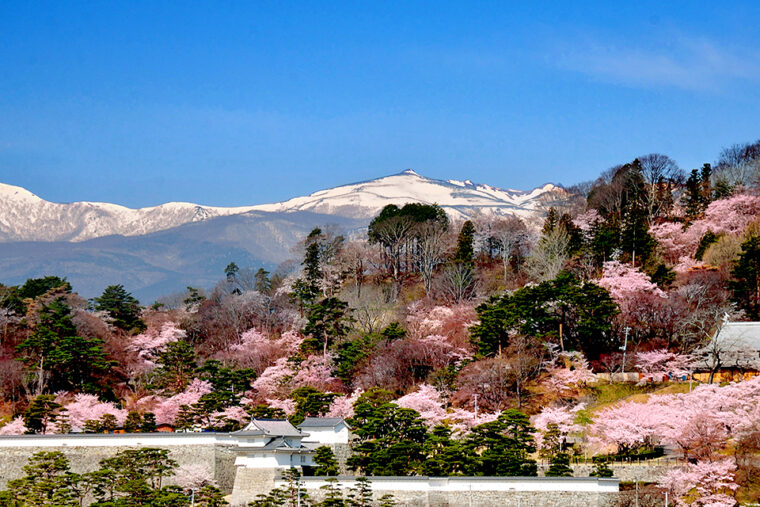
(337, 435)
(273, 460)
(111, 440)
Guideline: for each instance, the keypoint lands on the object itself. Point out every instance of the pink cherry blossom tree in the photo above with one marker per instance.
(193, 476)
(15, 427)
(87, 407)
(316, 372)
(563, 416)
(274, 380)
(656, 364)
(258, 351)
(570, 373)
(288, 406)
(702, 483)
(427, 401)
(430, 404)
(731, 215)
(147, 345)
(343, 406)
(625, 282)
(166, 409)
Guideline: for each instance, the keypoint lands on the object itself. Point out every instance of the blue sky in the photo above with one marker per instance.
(231, 103)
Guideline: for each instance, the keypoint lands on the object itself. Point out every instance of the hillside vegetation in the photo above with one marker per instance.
(453, 347)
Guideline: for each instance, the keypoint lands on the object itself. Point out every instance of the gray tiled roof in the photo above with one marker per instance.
(322, 422)
(273, 427)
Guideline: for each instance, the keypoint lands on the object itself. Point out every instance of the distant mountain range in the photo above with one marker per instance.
(157, 250)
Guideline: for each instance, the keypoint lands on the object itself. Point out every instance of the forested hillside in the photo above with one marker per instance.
(453, 347)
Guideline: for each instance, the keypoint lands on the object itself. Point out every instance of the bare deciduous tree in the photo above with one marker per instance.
(549, 256)
(431, 249)
(456, 283)
(510, 235)
(657, 170)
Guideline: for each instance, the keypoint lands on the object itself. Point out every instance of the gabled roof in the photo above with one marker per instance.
(323, 422)
(270, 427)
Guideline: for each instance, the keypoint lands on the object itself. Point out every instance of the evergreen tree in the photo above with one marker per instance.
(393, 332)
(333, 496)
(464, 252)
(560, 466)
(551, 221)
(133, 422)
(745, 285)
(54, 349)
(193, 298)
(601, 468)
(40, 413)
(503, 447)
(584, 310)
(325, 459)
(445, 456)
(210, 496)
(231, 271)
(176, 366)
(135, 477)
(148, 423)
(361, 492)
(390, 437)
(328, 320)
(310, 402)
(707, 191)
(708, 239)
(48, 482)
(697, 194)
(635, 239)
(122, 307)
(262, 283)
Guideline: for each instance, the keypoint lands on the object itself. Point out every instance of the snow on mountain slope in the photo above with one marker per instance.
(459, 198)
(26, 217)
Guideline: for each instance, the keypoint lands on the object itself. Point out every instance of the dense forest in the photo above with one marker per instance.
(452, 347)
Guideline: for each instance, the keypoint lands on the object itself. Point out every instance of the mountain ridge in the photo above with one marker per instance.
(24, 216)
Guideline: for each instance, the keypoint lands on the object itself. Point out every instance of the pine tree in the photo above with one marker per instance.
(133, 422)
(693, 197)
(149, 423)
(54, 349)
(122, 307)
(231, 271)
(465, 252)
(176, 366)
(560, 466)
(503, 447)
(601, 468)
(551, 221)
(40, 413)
(362, 492)
(325, 458)
(48, 482)
(745, 285)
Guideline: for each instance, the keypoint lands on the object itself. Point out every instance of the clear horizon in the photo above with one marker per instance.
(147, 103)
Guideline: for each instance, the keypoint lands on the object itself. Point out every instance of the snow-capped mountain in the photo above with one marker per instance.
(27, 217)
(460, 199)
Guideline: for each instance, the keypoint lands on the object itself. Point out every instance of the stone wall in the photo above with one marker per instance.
(250, 482)
(342, 453)
(625, 472)
(218, 458)
(478, 491)
(493, 498)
